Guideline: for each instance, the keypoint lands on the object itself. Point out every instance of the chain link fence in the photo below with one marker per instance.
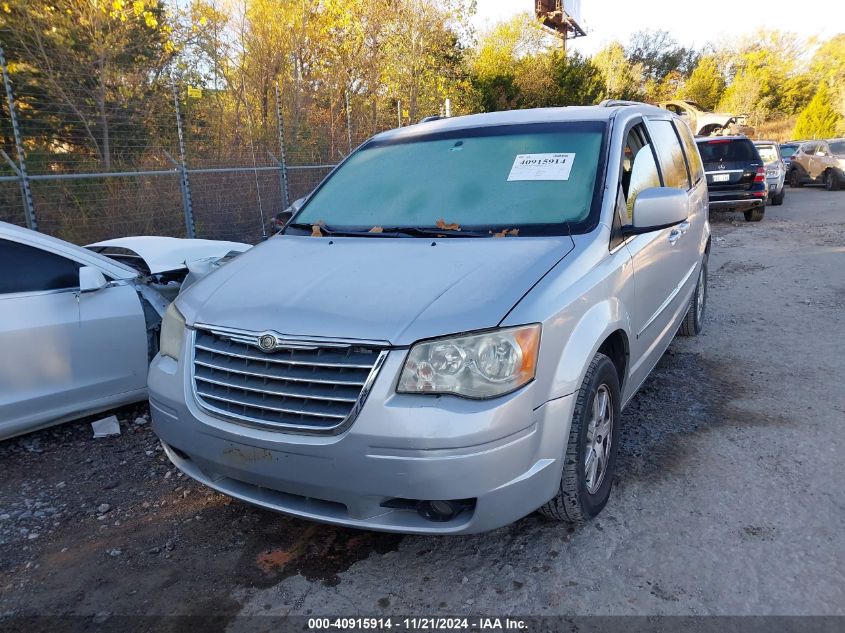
(177, 161)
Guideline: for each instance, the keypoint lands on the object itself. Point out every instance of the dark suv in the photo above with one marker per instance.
(736, 178)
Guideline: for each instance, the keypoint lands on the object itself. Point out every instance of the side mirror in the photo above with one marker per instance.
(91, 279)
(658, 208)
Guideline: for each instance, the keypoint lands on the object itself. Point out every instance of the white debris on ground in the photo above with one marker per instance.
(106, 426)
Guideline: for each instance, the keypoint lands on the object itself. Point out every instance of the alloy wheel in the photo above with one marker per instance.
(702, 295)
(599, 438)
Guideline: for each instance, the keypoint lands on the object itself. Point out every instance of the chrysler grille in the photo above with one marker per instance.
(305, 387)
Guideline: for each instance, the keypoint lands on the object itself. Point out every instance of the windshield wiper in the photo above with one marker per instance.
(424, 231)
(390, 231)
(328, 231)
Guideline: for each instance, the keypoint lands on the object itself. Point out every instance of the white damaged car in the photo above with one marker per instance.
(78, 326)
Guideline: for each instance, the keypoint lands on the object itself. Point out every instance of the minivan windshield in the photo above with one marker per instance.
(537, 178)
(788, 150)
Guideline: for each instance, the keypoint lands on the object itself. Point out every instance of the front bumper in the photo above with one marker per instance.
(502, 454)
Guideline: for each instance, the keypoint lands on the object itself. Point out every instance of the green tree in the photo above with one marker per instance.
(577, 80)
(819, 119)
(761, 67)
(86, 72)
(828, 65)
(705, 84)
(659, 54)
(622, 79)
(518, 65)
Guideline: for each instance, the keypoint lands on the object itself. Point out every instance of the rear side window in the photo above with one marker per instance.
(696, 169)
(724, 151)
(29, 269)
(669, 153)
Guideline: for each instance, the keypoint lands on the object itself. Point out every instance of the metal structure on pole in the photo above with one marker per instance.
(561, 17)
(190, 228)
(348, 122)
(283, 167)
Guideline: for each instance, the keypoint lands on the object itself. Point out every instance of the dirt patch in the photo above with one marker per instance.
(685, 395)
(735, 267)
(104, 526)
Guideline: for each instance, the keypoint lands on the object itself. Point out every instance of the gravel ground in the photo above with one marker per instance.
(728, 496)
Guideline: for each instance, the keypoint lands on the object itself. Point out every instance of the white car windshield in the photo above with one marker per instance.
(539, 178)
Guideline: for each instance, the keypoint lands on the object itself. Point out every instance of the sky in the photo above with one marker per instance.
(693, 24)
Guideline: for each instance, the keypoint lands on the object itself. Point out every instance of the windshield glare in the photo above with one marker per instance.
(508, 177)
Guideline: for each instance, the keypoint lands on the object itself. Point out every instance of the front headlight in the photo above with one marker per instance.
(172, 332)
(482, 365)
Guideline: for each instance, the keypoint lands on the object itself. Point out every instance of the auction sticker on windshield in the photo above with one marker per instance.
(541, 167)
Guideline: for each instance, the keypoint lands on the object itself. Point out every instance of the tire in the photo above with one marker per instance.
(756, 214)
(831, 182)
(778, 200)
(694, 320)
(795, 179)
(578, 498)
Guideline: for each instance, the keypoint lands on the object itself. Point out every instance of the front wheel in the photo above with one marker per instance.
(831, 182)
(590, 458)
(795, 179)
(778, 199)
(694, 319)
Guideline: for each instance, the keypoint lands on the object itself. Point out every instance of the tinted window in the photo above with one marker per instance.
(727, 151)
(34, 269)
(809, 148)
(670, 154)
(838, 147)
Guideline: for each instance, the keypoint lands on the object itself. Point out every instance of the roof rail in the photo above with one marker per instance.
(612, 103)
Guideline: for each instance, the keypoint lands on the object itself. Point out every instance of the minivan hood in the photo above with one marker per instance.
(397, 290)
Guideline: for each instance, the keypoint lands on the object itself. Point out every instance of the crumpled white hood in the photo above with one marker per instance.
(163, 254)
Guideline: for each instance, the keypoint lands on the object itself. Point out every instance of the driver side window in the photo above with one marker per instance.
(35, 270)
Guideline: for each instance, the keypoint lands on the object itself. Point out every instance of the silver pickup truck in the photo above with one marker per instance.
(443, 337)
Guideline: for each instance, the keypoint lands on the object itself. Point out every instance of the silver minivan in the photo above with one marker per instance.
(443, 337)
